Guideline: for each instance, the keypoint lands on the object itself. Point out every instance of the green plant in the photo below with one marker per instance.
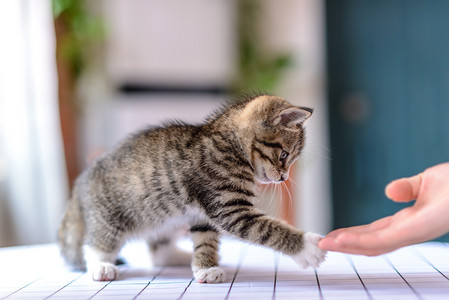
(78, 31)
(258, 70)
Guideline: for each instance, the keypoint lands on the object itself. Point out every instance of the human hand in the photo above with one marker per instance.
(425, 220)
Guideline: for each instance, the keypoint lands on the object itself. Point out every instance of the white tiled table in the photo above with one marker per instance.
(416, 272)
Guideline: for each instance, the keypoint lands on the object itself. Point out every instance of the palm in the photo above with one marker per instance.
(426, 219)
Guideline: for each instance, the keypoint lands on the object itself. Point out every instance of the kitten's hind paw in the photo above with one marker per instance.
(210, 275)
(310, 255)
(104, 272)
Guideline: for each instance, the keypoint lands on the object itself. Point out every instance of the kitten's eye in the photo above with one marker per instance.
(283, 155)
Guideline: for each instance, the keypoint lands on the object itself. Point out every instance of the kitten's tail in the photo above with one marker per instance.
(71, 234)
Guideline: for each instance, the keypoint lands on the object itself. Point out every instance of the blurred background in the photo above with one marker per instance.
(78, 76)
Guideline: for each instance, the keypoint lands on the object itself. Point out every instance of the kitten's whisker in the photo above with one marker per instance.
(281, 196)
(320, 146)
(294, 182)
(314, 146)
(273, 189)
(310, 153)
(278, 200)
(288, 191)
(290, 198)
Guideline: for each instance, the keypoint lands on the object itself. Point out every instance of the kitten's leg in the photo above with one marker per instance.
(101, 264)
(205, 255)
(240, 219)
(101, 252)
(164, 252)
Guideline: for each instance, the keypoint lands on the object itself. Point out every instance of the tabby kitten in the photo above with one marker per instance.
(159, 180)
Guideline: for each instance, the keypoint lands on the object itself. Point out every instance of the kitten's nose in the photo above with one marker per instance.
(284, 177)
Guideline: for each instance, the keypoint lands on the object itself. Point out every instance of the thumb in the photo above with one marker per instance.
(404, 189)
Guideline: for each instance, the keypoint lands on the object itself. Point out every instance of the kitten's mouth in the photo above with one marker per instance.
(266, 179)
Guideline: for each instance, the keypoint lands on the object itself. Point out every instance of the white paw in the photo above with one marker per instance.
(211, 275)
(311, 255)
(104, 272)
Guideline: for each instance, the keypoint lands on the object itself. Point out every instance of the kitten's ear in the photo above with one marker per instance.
(292, 117)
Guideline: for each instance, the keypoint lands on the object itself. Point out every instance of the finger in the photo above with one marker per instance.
(352, 243)
(380, 224)
(336, 246)
(331, 241)
(377, 242)
(404, 189)
(377, 225)
(353, 249)
(345, 245)
(330, 244)
(337, 232)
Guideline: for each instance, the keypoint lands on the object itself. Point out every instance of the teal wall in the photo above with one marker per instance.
(388, 82)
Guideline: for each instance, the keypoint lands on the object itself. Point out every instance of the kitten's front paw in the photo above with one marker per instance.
(311, 255)
(104, 272)
(210, 275)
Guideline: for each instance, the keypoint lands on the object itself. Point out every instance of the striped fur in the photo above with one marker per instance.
(205, 177)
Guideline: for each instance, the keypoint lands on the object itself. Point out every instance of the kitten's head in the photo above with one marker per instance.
(277, 137)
